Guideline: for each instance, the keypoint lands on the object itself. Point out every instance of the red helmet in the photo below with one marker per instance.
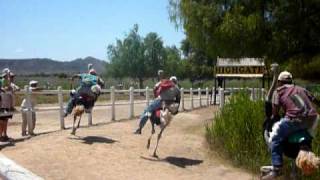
(92, 72)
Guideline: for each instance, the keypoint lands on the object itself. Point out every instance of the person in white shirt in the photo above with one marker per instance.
(28, 105)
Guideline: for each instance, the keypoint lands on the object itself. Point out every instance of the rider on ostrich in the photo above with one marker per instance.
(90, 86)
(300, 114)
(161, 93)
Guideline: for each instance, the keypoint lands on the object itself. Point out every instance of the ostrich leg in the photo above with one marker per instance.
(159, 136)
(73, 126)
(79, 121)
(152, 132)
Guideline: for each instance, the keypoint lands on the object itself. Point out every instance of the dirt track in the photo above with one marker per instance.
(111, 151)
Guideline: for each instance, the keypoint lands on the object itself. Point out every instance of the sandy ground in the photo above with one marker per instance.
(109, 150)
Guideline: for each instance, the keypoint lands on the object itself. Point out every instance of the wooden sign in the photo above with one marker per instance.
(240, 70)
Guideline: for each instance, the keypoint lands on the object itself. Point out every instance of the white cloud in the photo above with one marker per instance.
(19, 50)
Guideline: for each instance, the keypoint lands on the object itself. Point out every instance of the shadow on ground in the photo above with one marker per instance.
(94, 139)
(177, 161)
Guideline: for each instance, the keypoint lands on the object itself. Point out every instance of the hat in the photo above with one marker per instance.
(173, 79)
(33, 85)
(11, 74)
(92, 72)
(5, 72)
(160, 72)
(285, 76)
(33, 82)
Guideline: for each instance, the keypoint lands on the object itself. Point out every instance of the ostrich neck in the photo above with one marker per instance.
(273, 86)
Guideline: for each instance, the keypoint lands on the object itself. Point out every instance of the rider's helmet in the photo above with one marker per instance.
(96, 89)
(285, 76)
(174, 79)
(93, 72)
(160, 74)
(5, 72)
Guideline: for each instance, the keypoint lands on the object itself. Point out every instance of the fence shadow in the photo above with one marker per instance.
(181, 162)
(94, 139)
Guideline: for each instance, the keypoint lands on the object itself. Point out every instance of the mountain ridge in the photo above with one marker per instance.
(49, 66)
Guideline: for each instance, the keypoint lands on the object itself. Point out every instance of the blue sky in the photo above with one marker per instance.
(69, 29)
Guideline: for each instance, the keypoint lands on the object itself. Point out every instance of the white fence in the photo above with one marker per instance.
(202, 96)
(199, 97)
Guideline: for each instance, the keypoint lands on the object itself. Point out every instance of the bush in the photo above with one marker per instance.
(237, 129)
(236, 132)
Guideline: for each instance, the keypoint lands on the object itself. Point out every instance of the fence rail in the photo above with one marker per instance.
(202, 96)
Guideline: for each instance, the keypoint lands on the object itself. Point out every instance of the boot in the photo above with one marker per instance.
(270, 172)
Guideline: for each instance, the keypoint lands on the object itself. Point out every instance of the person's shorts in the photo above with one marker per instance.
(5, 114)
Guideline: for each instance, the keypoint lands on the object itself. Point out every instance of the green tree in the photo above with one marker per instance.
(154, 54)
(141, 58)
(279, 30)
(197, 62)
(127, 57)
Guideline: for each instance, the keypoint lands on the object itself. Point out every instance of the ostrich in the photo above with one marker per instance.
(162, 117)
(77, 112)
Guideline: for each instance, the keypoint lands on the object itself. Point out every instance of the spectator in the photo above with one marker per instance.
(27, 106)
(6, 109)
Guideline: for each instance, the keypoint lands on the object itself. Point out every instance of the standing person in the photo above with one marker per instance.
(161, 93)
(27, 105)
(7, 106)
(300, 114)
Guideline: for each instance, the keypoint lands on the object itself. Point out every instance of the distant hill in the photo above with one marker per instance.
(49, 66)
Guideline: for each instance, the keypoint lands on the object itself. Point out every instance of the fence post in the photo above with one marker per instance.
(113, 99)
(213, 96)
(131, 110)
(191, 98)
(221, 94)
(60, 100)
(199, 96)
(207, 96)
(147, 96)
(90, 118)
(182, 99)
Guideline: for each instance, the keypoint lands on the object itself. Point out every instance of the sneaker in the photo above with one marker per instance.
(2, 139)
(273, 173)
(138, 131)
(32, 134)
(23, 134)
(6, 138)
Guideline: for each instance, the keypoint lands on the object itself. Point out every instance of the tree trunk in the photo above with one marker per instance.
(141, 86)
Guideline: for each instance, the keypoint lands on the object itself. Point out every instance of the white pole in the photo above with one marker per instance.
(191, 98)
(207, 96)
(221, 94)
(262, 94)
(113, 99)
(60, 100)
(251, 95)
(131, 110)
(147, 96)
(182, 99)
(199, 97)
(90, 118)
(212, 95)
